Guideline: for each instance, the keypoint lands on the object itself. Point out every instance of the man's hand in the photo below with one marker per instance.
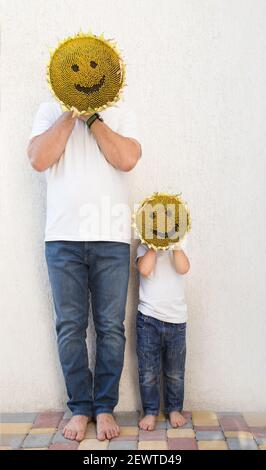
(85, 117)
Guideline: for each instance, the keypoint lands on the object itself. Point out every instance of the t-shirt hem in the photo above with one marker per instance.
(74, 238)
(166, 319)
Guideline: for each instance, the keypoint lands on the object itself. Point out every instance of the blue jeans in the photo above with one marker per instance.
(159, 343)
(77, 269)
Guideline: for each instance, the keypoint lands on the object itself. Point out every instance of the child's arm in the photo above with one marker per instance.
(146, 263)
(181, 261)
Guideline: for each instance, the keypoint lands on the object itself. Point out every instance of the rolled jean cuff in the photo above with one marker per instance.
(103, 410)
(151, 412)
(82, 412)
(173, 408)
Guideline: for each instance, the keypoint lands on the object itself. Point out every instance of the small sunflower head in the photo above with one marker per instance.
(162, 220)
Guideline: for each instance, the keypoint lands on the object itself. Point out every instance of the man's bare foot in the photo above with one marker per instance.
(176, 419)
(148, 423)
(75, 429)
(107, 428)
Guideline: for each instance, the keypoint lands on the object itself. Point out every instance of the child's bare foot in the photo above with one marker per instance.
(107, 428)
(148, 423)
(75, 429)
(176, 419)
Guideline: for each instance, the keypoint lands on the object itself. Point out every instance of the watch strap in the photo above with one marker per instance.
(93, 118)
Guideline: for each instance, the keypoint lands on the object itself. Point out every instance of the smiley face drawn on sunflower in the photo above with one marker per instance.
(162, 220)
(86, 73)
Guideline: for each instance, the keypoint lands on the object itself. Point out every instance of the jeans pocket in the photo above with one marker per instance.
(141, 320)
(181, 327)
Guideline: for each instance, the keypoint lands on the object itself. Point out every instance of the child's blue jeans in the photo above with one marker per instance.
(161, 343)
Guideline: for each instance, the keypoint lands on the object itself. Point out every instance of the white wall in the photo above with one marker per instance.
(196, 77)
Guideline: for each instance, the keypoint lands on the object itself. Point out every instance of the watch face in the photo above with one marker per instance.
(86, 73)
(162, 220)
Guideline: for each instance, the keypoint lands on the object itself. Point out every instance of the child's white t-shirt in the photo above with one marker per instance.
(162, 293)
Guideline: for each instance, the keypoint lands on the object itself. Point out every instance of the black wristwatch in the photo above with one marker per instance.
(93, 118)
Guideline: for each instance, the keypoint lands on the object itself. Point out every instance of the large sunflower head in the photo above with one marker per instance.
(86, 73)
(162, 220)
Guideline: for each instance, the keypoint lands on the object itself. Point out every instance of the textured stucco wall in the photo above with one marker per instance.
(196, 76)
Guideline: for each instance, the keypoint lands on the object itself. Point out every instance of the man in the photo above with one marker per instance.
(85, 160)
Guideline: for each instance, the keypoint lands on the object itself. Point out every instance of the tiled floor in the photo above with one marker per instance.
(205, 430)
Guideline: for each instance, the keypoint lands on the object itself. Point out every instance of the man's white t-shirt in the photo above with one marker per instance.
(162, 293)
(87, 198)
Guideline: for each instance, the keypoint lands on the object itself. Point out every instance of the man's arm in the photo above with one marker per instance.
(121, 152)
(146, 263)
(45, 149)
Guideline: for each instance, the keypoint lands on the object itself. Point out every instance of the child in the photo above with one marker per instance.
(161, 332)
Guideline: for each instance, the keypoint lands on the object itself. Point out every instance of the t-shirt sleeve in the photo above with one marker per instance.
(43, 120)
(141, 250)
(183, 244)
(129, 126)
